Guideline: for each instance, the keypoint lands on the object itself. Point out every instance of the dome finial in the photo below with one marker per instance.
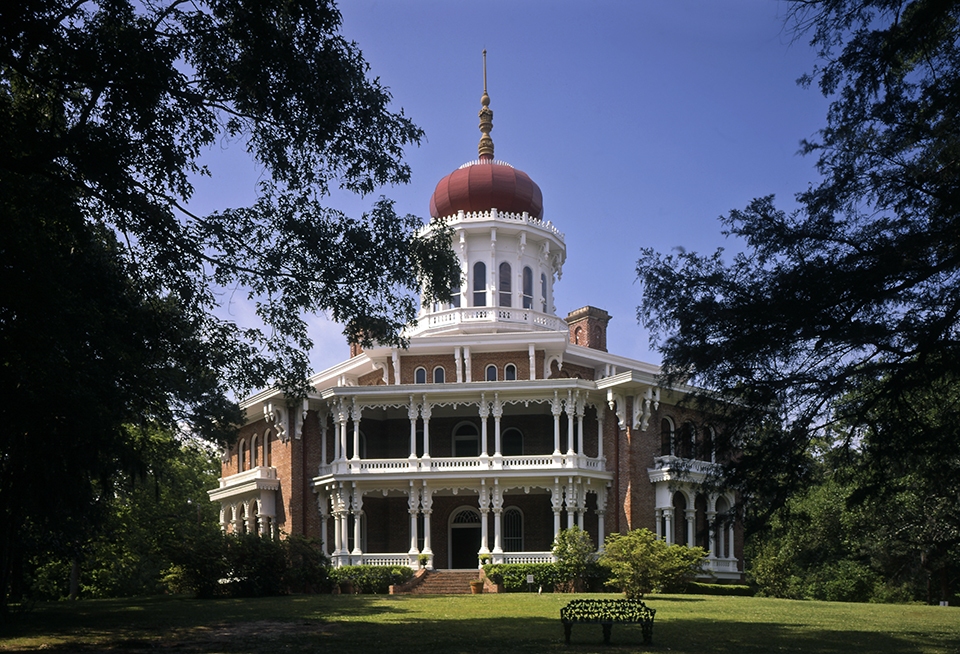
(486, 118)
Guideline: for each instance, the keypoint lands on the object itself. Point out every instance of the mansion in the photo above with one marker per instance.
(501, 423)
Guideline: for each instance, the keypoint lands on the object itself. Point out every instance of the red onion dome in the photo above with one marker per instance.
(486, 184)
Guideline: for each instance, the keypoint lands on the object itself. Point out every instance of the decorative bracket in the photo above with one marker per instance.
(274, 417)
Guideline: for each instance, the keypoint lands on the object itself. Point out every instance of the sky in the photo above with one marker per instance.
(641, 121)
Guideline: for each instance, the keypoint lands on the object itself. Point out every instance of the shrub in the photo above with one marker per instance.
(258, 565)
(371, 579)
(307, 565)
(513, 576)
(575, 553)
(698, 588)
(641, 563)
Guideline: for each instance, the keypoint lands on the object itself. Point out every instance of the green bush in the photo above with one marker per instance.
(575, 554)
(257, 564)
(513, 576)
(741, 590)
(641, 563)
(370, 579)
(307, 566)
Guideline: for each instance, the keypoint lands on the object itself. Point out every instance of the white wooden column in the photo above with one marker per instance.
(426, 502)
(668, 524)
(731, 553)
(601, 410)
(497, 501)
(413, 508)
(556, 407)
(413, 412)
(556, 500)
(484, 414)
(691, 515)
(570, 502)
(355, 412)
(532, 353)
(570, 411)
(711, 518)
(580, 408)
(497, 414)
(484, 513)
(425, 411)
(357, 513)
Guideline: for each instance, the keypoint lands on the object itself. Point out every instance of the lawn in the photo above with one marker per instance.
(367, 624)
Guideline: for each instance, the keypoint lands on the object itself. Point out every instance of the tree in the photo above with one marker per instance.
(575, 553)
(640, 563)
(856, 293)
(111, 282)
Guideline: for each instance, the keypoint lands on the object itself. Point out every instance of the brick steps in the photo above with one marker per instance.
(446, 582)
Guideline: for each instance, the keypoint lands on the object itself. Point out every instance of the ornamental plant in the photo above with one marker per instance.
(575, 553)
(641, 563)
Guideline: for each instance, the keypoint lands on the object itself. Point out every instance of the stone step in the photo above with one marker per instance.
(447, 582)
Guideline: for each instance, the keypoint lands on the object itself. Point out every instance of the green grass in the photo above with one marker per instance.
(694, 624)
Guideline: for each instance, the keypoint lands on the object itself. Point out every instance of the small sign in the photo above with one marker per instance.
(529, 579)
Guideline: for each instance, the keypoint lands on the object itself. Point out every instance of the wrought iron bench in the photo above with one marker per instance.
(607, 613)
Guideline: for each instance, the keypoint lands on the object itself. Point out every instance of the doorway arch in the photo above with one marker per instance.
(463, 537)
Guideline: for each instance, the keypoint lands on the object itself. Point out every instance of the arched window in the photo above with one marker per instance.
(420, 375)
(510, 372)
(505, 285)
(527, 287)
(438, 375)
(266, 448)
(705, 446)
(491, 373)
(466, 440)
(479, 284)
(543, 292)
(578, 336)
(242, 455)
(512, 530)
(511, 442)
(688, 439)
(254, 459)
(666, 437)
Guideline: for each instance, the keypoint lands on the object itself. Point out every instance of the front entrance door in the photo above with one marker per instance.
(465, 536)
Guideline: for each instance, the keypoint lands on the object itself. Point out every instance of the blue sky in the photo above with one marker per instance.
(641, 121)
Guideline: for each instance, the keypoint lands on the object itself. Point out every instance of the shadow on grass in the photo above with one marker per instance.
(425, 625)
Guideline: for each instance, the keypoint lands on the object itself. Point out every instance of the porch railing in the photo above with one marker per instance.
(463, 464)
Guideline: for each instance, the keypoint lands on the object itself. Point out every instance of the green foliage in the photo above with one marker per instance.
(622, 610)
(258, 565)
(513, 576)
(727, 590)
(835, 329)
(110, 313)
(641, 563)
(575, 553)
(370, 579)
(307, 565)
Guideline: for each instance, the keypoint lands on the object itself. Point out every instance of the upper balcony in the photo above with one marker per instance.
(486, 319)
(466, 467)
(675, 468)
(255, 479)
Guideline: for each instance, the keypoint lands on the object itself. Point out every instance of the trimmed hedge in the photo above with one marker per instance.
(697, 588)
(513, 576)
(371, 579)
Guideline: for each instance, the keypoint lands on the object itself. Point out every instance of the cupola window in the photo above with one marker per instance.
(505, 291)
(527, 287)
(479, 284)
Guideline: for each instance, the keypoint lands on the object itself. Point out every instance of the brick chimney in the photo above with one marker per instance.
(588, 327)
